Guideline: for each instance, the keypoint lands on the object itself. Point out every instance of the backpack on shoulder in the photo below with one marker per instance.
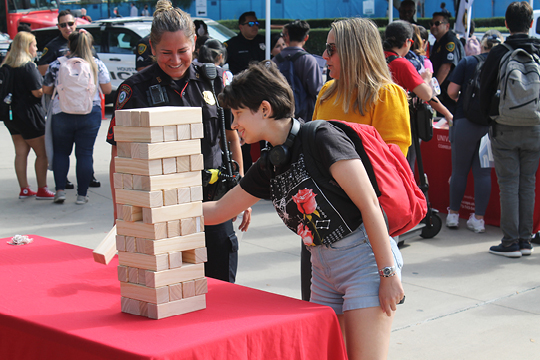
(401, 199)
(519, 89)
(6, 91)
(76, 86)
(471, 97)
(301, 97)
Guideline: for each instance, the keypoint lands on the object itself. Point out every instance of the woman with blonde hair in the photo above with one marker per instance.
(27, 126)
(78, 129)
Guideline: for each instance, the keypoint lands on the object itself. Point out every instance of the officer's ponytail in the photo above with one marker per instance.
(169, 18)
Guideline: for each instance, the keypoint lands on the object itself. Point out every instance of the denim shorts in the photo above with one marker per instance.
(345, 273)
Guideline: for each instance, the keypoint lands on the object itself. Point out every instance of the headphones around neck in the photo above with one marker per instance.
(279, 155)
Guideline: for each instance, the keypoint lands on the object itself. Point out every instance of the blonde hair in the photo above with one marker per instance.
(80, 45)
(20, 50)
(169, 18)
(363, 67)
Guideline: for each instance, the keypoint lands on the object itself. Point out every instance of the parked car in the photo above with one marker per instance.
(5, 40)
(115, 42)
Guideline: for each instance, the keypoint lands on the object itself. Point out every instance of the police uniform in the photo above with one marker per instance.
(241, 51)
(191, 90)
(56, 48)
(143, 52)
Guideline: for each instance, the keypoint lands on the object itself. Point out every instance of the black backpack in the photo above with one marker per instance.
(6, 91)
(471, 97)
(302, 101)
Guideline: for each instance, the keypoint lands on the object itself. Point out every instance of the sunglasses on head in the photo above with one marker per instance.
(330, 49)
(251, 23)
(436, 23)
(69, 23)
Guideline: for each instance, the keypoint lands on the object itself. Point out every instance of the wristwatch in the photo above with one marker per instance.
(388, 271)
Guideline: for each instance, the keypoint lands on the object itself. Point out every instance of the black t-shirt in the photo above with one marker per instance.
(309, 209)
(53, 50)
(25, 107)
(241, 51)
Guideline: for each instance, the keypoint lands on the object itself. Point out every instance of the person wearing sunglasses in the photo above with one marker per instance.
(58, 46)
(445, 55)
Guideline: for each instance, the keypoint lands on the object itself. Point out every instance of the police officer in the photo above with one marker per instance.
(59, 45)
(247, 46)
(174, 81)
(142, 53)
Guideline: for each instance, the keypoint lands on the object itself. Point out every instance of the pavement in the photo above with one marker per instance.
(461, 301)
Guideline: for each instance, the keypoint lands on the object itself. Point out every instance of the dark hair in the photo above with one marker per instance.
(211, 50)
(274, 39)
(24, 27)
(261, 81)
(242, 18)
(472, 28)
(519, 16)
(446, 16)
(201, 28)
(423, 32)
(297, 30)
(64, 13)
(171, 19)
(397, 32)
(443, 5)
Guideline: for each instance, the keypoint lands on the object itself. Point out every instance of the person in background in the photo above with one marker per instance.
(444, 10)
(84, 16)
(213, 51)
(419, 47)
(276, 44)
(407, 10)
(70, 129)
(116, 13)
(27, 126)
(133, 10)
(143, 53)
(145, 11)
(465, 138)
(472, 46)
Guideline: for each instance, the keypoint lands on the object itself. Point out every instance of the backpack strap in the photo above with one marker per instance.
(391, 58)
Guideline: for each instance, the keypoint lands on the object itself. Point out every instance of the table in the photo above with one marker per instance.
(437, 161)
(57, 303)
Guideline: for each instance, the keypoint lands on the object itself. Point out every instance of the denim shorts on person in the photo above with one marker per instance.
(345, 274)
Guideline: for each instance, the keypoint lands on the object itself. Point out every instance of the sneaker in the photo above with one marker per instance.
(81, 200)
(512, 251)
(525, 247)
(94, 183)
(59, 197)
(452, 221)
(69, 185)
(476, 225)
(44, 194)
(26, 193)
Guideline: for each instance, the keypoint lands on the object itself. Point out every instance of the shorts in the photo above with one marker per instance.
(345, 274)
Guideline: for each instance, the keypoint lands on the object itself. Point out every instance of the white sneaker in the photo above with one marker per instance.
(476, 225)
(452, 221)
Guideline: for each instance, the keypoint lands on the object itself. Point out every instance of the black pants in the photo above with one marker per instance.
(305, 273)
(222, 249)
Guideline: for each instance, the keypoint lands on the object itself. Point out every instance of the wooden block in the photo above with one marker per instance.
(177, 307)
(141, 276)
(118, 181)
(133, 275)
(175, 292)
(122, 273)
(172, 276)
(169, 165)
(179, 243)
(140, 244)
(137, 166)
(188, 288)
(173, 228)
(196, 162)
(138, 292)
(143, 308)
(138, 134)
(201, 286)
(122, 118)
(130, 306)
(196, 193)
(139, 198)
(187, 226)
(128, 181)
(106, 249)
(195, 256)
(143, 261)
(169, 181)
(135, 118)
(182, 164)
(149, 151)
(175, 259)
(170, 133)
(199, 223)
(173, 212)
(197, 131)
(119, 211)
(120, 243)
(139, 229)
(131, 213)
(183, 132)
(170, 115)
(123, 149)
(184, 195)
(130, 244)
(170, 197)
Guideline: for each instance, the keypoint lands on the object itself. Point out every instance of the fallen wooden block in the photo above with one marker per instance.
(178, 307)
(105, 251)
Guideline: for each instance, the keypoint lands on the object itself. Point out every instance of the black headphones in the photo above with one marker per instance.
(278, 155)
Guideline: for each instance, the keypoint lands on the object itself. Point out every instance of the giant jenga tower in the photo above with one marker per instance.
(160, 233)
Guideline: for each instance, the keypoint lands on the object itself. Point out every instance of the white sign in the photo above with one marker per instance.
(369, 7)
(200, 8)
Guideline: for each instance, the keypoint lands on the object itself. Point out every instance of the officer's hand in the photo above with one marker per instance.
(246, 220)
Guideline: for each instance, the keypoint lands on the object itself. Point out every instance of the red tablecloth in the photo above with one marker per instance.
(57, 303)
(437, 161)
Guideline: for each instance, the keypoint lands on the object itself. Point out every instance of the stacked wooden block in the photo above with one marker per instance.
(160, 232)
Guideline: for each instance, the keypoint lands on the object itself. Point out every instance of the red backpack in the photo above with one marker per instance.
(390, 174)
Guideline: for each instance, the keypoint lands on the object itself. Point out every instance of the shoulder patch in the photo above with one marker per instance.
(45, 49)
(450, 46)
(141, 48)
(450, 56)
(262, 46)
(124, 94)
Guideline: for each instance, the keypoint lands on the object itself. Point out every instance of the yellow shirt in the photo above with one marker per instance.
(389, 115)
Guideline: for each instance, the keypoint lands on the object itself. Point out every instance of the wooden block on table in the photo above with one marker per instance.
(128, 181)
(197, 131)
(169, 181)
(149, 151)
(140, 229)
(179, 243)
(173, 212)
(175, 259)
(175, 292)
(138, 166)
(188, 288)
(183, 132)
(131, 213)
(170, 115)
(157, 295)
(201, 286)
(143, 261)
(170, 197)
(118, 181)
(177, 307)
(196, 162)
(122, 118)
(138, 134)
(142, 277)
(135, 118)
(123, 149)
(133, 275)
(170, 133)
(187, 226)
(139, 198)
(106, 249)
(169, 165)
(182, 164)
(184, 195)
(130, 244)
(199, 223)
(122, 273)
(130, 306)
(140, 244)
(120, 243)
(119, 211)
(196, 193)
(195, 256)
(173, 228)
(172, 276)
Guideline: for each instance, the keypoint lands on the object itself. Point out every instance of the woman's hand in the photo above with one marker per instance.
(427, 75)
(390, 293)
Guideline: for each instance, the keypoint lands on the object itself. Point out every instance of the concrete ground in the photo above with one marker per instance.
(462, 302)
